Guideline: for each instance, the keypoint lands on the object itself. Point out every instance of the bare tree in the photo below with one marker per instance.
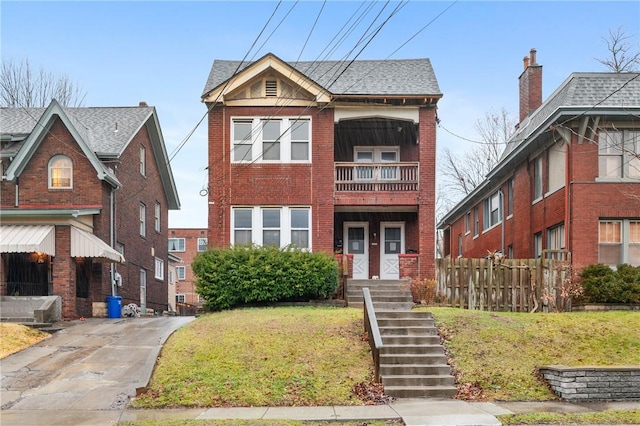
(21, 86)
(465, 172)
(624, 56)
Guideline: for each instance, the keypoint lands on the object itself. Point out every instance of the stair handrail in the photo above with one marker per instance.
(371, 327)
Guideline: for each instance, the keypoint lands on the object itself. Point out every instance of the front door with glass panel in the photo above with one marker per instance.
(392, 245)
(356, 243)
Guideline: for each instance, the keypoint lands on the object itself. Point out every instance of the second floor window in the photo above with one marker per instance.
(537, 178)
(176, 244)
(492, 213)
(143, 160)
(181, 272)
(619, 154)
(280, 139)
(159, 269)
(156, 223)
(202, 244)
(60, 172)
(143, 220)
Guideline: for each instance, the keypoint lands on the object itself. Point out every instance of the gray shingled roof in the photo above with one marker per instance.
(581, 91)
(96, 125)
(362, 77)
(613, 94)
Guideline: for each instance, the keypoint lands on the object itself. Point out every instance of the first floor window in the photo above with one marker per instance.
(202, 244)
(619, 242)
(555, 241)
(180, 298)
(181, 273)
(277, 226)
(476, 222)
(159, 269)
(467, 223)
(459, 245)
(537, 245)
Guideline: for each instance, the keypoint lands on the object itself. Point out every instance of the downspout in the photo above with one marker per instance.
(17, 200)
(501, 220)
(112, 238)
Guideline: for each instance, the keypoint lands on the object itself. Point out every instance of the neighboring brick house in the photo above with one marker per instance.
(569, 178)
(84, 206)
(186, 243)
(331, 156)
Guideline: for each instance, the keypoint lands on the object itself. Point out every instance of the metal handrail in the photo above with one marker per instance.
(371, 327)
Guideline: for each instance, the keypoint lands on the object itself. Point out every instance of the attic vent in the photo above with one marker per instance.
(271, 88)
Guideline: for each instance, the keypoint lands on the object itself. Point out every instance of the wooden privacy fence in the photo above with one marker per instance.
(508, 285)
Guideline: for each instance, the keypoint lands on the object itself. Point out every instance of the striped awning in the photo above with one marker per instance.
(28, 239)
(85, 244)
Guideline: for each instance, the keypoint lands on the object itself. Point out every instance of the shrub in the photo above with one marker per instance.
(604, 285)
(261, 275)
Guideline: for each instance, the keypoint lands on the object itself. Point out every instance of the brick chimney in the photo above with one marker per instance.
(530, 85)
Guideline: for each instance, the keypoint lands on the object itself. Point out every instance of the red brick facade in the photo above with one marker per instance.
(88, 205)
(187, 287)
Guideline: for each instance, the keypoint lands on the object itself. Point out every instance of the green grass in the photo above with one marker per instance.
(255, 423)
(607, 417)
(495, 355)
(262, 357)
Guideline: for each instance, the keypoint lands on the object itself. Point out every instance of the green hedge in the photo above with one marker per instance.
(249, 275)
(602, 284)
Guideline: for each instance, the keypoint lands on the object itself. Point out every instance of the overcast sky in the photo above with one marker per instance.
(161, 52)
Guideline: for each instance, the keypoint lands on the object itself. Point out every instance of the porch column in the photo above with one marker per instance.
(64, 272)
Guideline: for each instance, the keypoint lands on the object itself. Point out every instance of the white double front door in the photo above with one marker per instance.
(356, 243)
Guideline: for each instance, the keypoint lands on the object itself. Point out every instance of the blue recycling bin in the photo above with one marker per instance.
(114, 306)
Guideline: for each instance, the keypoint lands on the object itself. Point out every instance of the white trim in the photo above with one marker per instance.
(364, 257)
(285, 224)
(353, 113)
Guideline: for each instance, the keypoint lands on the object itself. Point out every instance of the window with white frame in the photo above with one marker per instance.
(537, 178)
(384, 154)
(156, 217)
(619, 153)
(555, 241)
(271, 227)
(510, 188)
(143, 220)
(467, 223)
(619, 242)
(476, 221)
(537, 245)
(274, 139)
(492, 213)
(176, 244)
(180, 298)
(300, 228)
(60, 172)
(278, 226)
(143, 160)
(181, 273)
(202, 244)
(159, 269)
(556, 172)
(459, 245)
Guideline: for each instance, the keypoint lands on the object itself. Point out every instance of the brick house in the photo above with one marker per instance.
(186, 243)
(328, 156)
(568, 180)
(84, 206)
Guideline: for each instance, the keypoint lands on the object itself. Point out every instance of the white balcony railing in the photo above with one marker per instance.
(376, 176)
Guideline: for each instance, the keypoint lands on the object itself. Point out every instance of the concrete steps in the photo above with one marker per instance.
(386, 295)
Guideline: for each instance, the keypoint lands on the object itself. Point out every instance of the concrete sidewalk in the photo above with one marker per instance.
(413, 412)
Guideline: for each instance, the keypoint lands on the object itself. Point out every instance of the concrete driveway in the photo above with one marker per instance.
(88, 366)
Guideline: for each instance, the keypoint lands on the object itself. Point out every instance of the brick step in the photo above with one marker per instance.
(407, 359)
(413, 380)
(413, 369)
(421, 391)
(395, 339)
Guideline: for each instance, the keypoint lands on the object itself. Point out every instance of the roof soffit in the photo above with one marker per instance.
(267, 65)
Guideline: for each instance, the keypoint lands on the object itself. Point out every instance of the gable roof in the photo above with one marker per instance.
(361, 77)
(101, 132)
(580, 95)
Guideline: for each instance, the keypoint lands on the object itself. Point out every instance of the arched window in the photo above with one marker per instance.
(60, 172)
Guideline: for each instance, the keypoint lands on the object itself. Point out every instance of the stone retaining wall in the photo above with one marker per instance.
(593, 383)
